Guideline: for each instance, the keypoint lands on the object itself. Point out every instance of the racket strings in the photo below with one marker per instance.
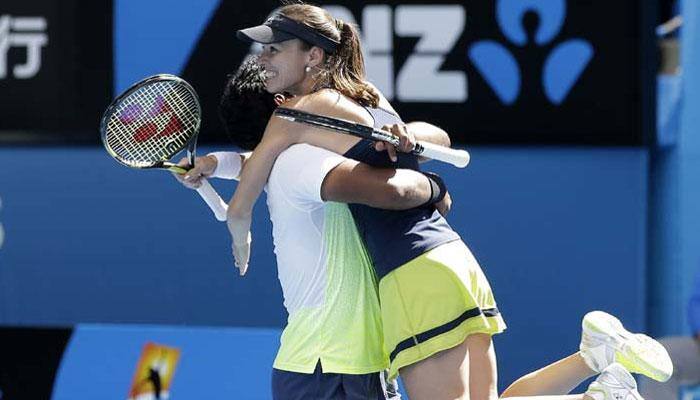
(157, 148)
(145, 143)
(129, 111)
(153, 123)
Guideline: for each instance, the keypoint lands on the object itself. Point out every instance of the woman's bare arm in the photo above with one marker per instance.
(278, 135)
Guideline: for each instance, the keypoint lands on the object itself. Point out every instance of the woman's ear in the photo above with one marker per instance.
(279, 99)
(315, 57)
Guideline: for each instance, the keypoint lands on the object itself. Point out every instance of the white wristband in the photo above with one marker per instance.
(228, 164)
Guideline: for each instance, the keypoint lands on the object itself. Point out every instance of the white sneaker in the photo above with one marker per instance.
(614, 383)
(605, 341)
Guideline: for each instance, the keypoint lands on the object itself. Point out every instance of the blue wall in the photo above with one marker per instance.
(675, 195)
(559, 231)
(88, 240)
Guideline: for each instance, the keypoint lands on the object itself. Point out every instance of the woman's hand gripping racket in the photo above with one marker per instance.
(458, 158)
(151, 122)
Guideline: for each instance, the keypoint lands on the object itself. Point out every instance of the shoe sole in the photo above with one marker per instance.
(638, 353)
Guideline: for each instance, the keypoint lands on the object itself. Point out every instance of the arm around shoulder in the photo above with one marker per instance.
(386, 188)
(430, 133)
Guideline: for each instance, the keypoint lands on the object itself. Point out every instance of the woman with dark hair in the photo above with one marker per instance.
(245, 108)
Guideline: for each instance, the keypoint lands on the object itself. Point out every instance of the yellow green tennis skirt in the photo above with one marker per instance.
(433, 302)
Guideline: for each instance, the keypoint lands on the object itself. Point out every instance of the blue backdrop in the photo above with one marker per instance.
(675, 194)
(558, 232)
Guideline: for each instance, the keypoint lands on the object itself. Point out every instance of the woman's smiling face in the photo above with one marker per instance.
(284, 65)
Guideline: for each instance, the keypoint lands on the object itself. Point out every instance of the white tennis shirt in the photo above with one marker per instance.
(327, 279)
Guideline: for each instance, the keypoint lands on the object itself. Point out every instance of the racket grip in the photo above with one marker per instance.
(458, 158)
(213, 200)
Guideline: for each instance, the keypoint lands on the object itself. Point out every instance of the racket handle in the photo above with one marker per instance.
(213, 200)
(458, 158)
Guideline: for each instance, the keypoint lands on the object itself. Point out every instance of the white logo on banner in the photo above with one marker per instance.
(22, 32)
(438, 28)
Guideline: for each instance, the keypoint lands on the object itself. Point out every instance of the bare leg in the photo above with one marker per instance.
(555, 379)
(552, 382)
(468, 372)
(444, 375)
(483, 372)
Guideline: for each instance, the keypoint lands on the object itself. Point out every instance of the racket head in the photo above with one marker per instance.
(151, 122)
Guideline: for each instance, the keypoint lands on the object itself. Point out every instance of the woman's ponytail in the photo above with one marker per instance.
(344, 68)
(347, 67)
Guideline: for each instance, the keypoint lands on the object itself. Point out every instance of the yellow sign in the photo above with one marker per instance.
(154, 373)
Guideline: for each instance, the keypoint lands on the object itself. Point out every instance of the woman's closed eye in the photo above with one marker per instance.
(270, 49)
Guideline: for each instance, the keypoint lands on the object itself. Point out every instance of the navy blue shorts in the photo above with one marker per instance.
(319, 386)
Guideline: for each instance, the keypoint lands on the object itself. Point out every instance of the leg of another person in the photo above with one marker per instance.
(556, 378)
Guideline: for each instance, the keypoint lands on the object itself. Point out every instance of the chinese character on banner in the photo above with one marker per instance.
(22, 32)
(154, 373)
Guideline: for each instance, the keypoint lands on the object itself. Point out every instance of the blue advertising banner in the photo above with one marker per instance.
(504, 71)
(148, 362)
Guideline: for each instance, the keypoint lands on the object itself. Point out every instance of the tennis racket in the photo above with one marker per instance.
(150, 123)
(458, 158)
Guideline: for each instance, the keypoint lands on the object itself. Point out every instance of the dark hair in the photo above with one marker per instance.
(344, 68)
(246, 106)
